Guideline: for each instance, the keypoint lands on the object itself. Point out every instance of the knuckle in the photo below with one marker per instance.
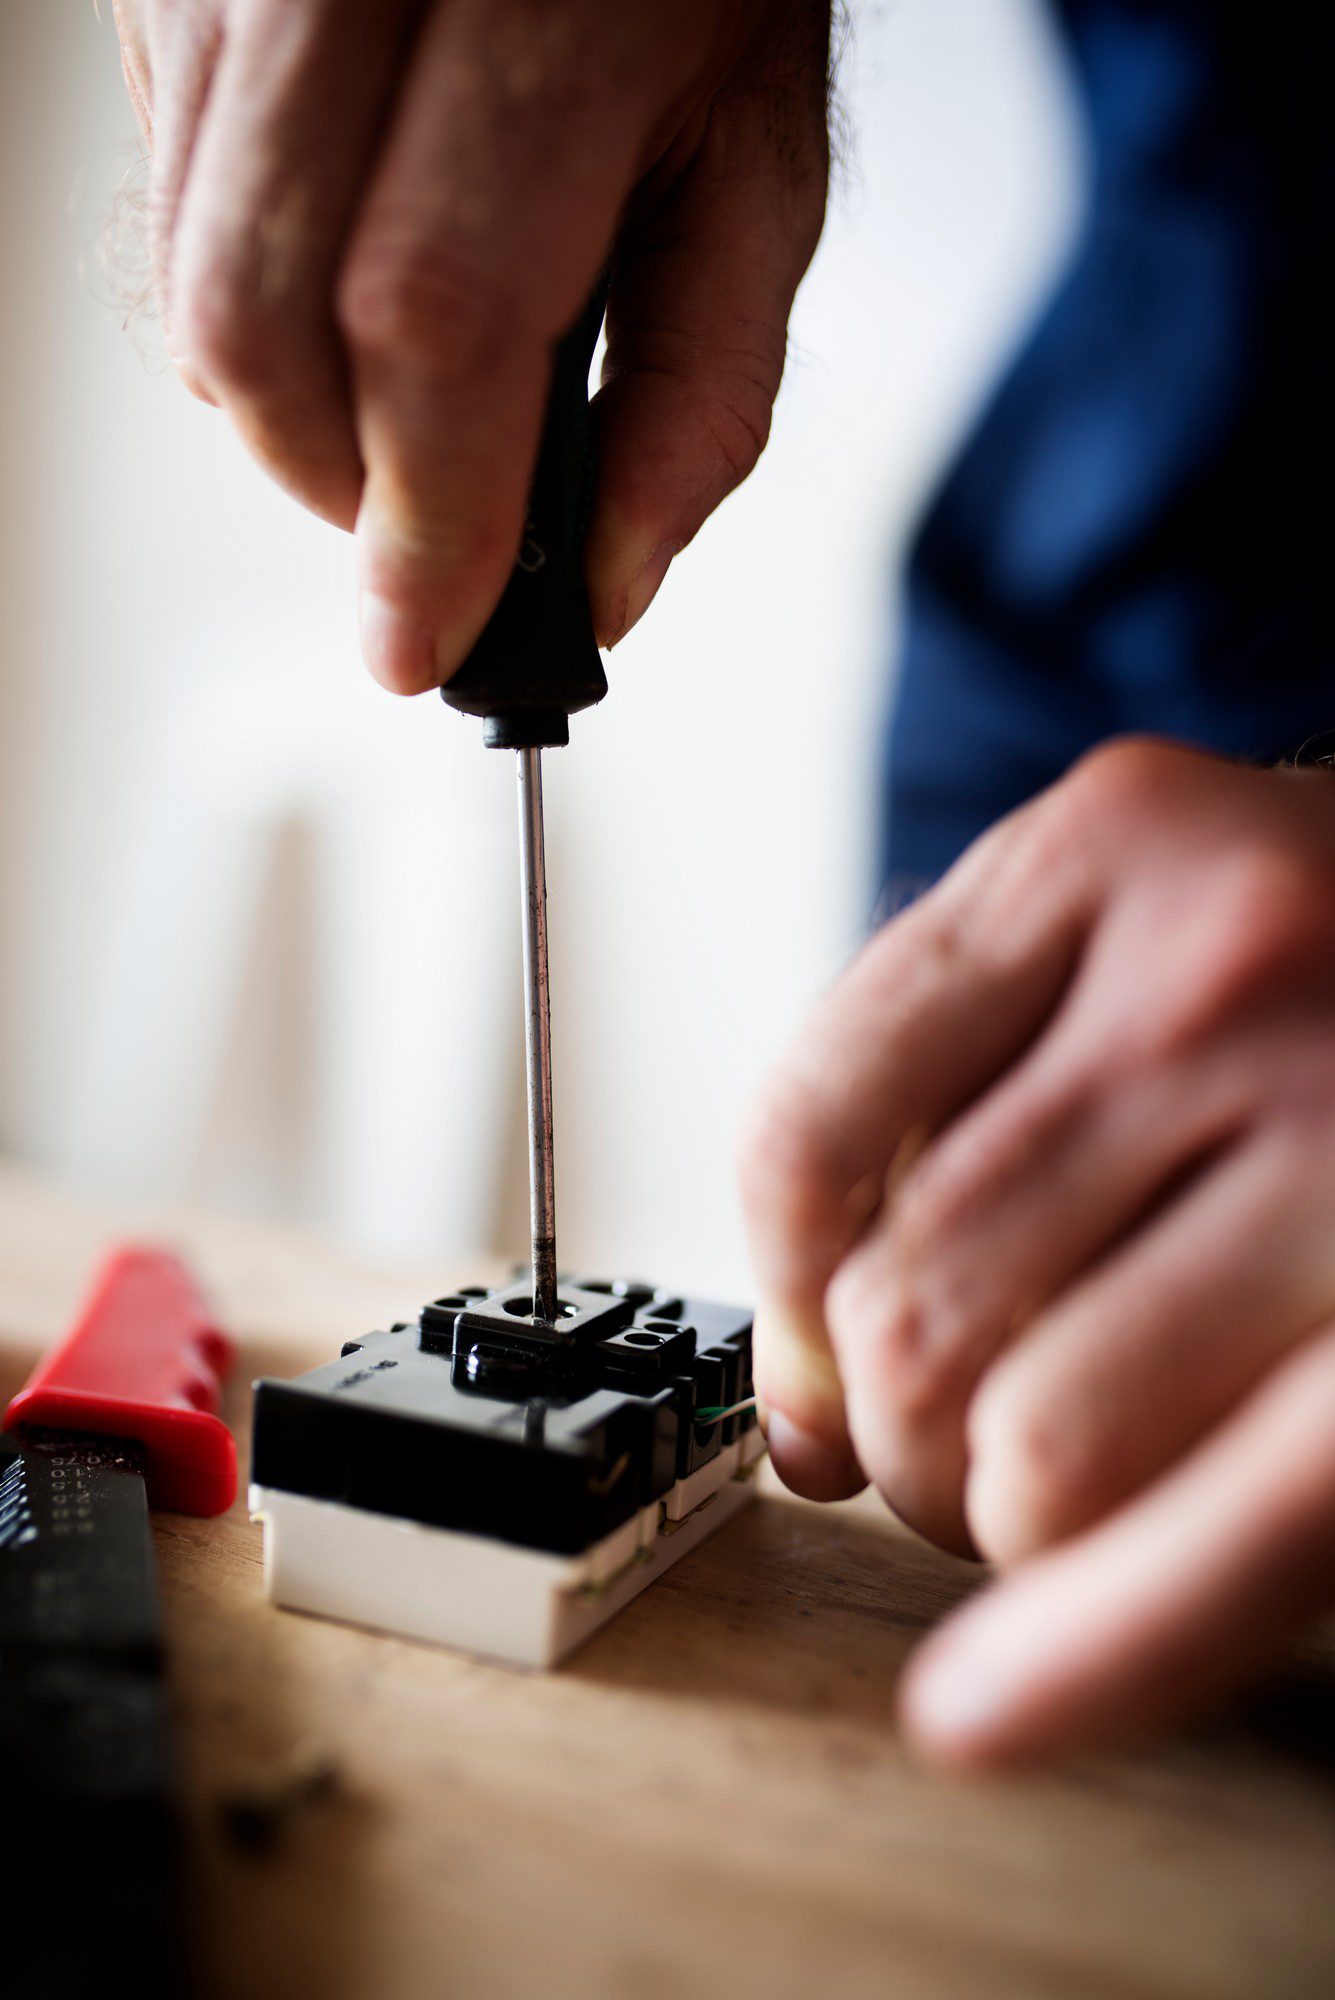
(1128, 776)
(942, 1218)
(224, 334)
(408, 296)
(1033, 1475)
(1277, 904)
(737, 420)
(1032, 849)
(879, 1328)
(1262, 932)
(1012, 889)
(738, 442)
(941, 942)
(904, 1409)
(862, 1309)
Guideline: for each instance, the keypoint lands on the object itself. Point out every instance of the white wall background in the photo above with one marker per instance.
(258, 920)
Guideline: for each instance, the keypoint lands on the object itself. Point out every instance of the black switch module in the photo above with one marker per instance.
(503, 1482)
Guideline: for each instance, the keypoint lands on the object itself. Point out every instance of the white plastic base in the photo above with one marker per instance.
(522, 1606)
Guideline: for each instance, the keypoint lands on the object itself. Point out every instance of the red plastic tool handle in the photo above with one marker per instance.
(144, 1360)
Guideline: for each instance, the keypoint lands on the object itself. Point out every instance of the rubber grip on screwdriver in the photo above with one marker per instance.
(537, 660)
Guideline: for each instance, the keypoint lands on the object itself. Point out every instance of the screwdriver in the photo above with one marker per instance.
(535, 665)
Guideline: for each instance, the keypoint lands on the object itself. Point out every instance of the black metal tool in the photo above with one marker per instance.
(84, 1734)
(119, 1413)
(535, 665)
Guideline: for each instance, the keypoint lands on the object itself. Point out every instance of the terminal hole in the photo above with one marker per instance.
(522, 1308)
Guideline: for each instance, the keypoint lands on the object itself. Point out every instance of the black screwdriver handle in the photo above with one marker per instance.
(537, 661)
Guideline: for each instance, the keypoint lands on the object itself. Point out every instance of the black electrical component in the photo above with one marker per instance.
(480, 1417)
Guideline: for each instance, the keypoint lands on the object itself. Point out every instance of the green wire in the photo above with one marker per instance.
(714, 1413)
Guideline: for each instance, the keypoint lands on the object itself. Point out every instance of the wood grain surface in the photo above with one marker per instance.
(710, 1799)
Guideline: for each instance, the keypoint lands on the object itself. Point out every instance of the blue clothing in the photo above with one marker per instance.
(1137, 536)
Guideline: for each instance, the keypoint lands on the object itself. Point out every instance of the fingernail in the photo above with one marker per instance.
(644, 587)
(401, 654)
(804, 1405)
(795, 1368)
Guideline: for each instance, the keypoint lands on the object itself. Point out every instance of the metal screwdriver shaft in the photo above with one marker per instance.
(534, 665)
(537, 1034)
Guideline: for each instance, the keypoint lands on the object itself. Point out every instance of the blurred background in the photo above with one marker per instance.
(259, 920)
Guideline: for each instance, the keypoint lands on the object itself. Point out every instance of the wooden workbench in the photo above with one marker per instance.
(711, 1798)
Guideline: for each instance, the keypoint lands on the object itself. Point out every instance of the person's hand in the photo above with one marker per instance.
(1042, 1207)
(370, 224)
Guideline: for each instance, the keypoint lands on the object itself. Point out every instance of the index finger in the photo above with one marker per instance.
(488, 218)
(942, 1001)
